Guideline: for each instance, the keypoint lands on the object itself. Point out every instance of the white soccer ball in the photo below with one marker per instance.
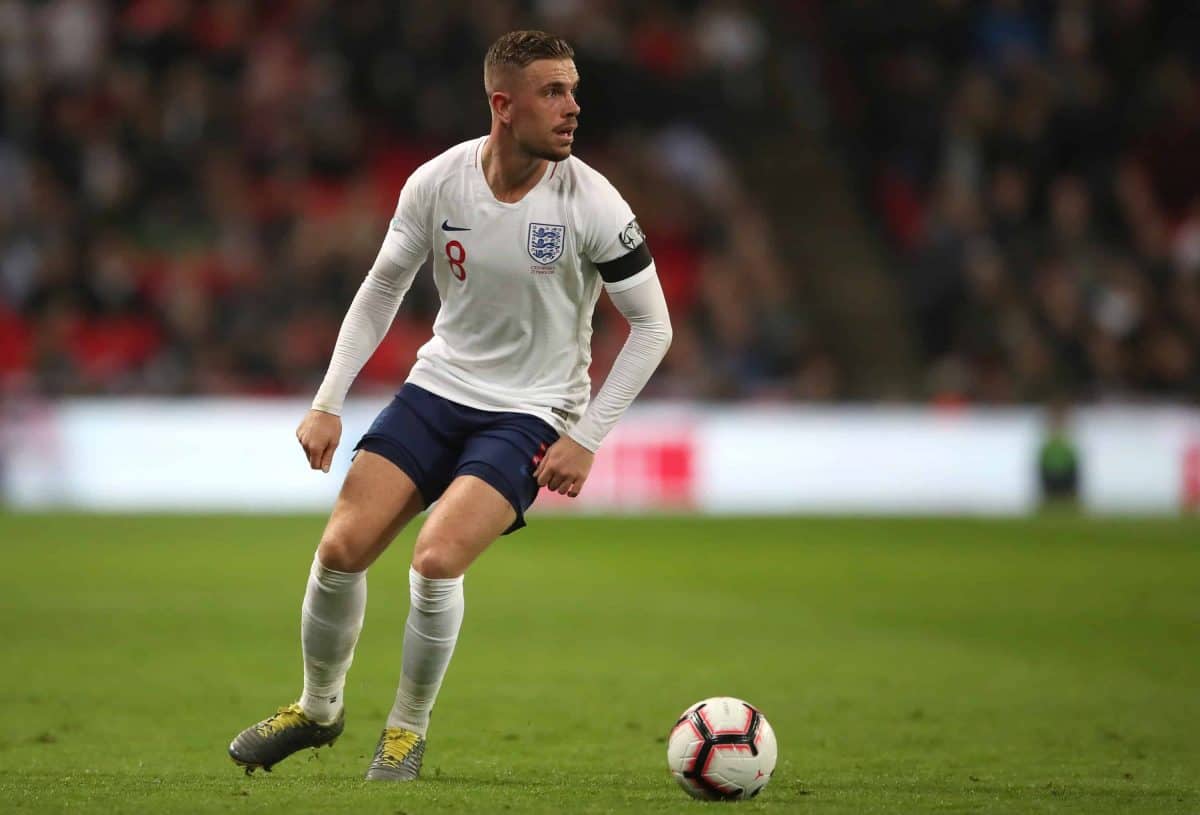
(722, 749)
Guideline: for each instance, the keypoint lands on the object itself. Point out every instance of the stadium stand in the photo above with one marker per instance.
(960, 201)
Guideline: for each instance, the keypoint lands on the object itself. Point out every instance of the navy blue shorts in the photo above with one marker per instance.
(434, 440)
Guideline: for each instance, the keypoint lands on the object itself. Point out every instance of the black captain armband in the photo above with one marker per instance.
(626, 265)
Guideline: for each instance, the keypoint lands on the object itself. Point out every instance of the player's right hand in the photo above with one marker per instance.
(319, 433)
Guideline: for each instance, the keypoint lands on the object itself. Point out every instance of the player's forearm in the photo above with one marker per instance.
(364, 327)
(644, 306)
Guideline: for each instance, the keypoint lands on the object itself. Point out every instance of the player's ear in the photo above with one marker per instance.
(501, 103)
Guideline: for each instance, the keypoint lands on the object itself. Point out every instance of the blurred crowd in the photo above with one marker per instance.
(193, 191)
(1035, 167)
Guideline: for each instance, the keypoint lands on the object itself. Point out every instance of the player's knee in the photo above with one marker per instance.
(436, 557)
(338, 552)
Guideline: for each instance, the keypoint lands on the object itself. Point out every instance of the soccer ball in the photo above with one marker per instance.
(722, 749)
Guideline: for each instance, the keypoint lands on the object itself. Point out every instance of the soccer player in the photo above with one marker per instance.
(523, 237)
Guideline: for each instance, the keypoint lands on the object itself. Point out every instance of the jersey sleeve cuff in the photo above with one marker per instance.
(327, 401)
(578, 435)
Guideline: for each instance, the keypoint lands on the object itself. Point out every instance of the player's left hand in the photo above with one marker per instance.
(564, 467)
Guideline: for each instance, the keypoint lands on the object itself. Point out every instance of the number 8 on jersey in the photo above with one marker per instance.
(456, 254)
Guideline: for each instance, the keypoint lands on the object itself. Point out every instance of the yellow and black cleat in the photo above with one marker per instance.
(398, 756)
(265, 744)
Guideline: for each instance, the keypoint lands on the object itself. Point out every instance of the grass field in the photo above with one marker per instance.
(1050, 665)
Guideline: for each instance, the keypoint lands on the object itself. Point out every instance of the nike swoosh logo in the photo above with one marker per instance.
(447, 228)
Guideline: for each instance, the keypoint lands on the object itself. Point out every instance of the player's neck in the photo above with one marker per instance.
(509, 170)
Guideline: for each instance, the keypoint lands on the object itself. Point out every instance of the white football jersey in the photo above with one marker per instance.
(518, 282)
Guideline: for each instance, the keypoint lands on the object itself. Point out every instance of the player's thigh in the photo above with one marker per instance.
(376, 500)
(468, 517)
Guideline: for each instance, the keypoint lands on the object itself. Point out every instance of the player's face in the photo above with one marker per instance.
(545, 113)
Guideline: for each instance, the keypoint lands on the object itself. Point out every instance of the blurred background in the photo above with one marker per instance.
(862, 212)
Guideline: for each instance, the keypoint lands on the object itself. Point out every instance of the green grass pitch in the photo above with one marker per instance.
(1049, 665)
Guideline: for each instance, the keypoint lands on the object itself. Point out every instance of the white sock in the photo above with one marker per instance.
(434, 618)
(330, 621)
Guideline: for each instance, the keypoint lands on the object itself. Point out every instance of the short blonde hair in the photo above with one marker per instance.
(517, 49)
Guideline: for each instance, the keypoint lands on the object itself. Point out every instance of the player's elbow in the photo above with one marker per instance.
(666, 334)
(662, 334)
